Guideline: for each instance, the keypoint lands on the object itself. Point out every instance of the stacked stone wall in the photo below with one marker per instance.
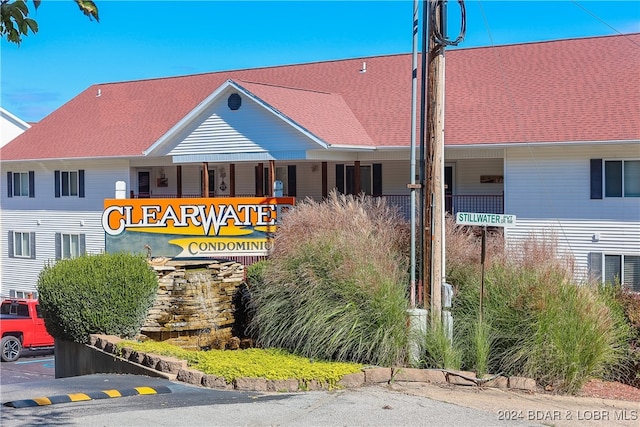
(195, 302)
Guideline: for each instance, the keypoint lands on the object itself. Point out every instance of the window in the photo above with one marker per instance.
(69, 245)
(69, 183)
(623, 269)
(284, 174)
(17, 294)
(20, 184)
(22, 244)
(621, 178)
(370, 179)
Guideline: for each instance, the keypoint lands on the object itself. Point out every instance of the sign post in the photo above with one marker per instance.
(484, 220)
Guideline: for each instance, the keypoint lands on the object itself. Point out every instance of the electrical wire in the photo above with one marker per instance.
(440, 38)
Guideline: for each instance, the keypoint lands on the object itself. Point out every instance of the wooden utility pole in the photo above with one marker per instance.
(434, 194)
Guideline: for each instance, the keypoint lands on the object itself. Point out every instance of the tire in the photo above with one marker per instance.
(11, 348)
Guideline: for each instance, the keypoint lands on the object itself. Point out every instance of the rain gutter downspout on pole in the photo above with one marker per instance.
(412, 178)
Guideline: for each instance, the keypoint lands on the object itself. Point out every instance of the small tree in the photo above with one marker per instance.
(96, 294)
(15, 21)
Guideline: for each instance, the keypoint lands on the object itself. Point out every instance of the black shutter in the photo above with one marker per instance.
(83, 244)
(81, 183)
(10, 245)
(340, 178)
(377, 179)
(32, 244)
(58, 246)
(32, 184)
(291, 180)
(9, 184)
(596, 178)
(56, 183)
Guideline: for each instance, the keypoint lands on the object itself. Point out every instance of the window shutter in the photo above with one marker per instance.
(9, 184)
(83, 245)
(32, 244)
(340, 178)
(32, 184)
(56, 183)
(377, 179)
(596, 178)
(58, 244)
(595, 265)
(81, 183)
(10, 245)
(291, 180)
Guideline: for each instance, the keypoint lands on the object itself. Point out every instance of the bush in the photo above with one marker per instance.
(627, 305)
(271, 364)
(96, 294)
(539, 322)
(575, 336)
(335, 286)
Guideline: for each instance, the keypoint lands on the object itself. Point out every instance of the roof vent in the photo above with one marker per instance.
(364, 68)
(234, 102)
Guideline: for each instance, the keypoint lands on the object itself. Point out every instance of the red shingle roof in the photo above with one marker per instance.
(568, 90)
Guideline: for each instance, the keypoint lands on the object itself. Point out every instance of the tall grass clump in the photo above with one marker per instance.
(540, 323)
(334, 287)
(575, 336)
(438, 350)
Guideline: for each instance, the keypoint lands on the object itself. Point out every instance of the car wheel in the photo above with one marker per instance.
(11, 348)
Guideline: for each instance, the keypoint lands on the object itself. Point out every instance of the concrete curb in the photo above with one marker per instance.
(176, 369)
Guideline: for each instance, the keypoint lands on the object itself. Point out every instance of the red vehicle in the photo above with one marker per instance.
(22, 326)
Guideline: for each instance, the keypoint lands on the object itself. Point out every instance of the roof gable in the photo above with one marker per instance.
(213, 129)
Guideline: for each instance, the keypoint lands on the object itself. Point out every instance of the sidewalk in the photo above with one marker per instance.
(535, 408)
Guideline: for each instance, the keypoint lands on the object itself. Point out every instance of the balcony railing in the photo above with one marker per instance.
(487, 203)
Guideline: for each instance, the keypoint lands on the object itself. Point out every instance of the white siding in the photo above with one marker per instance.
(22, 274)
(579, 237)
(548, 189)
(251, 129)
(554, 183)
(10, 126)
(54, 214)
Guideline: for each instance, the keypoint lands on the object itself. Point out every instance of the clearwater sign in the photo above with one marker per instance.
(193, 228)
(485, 219)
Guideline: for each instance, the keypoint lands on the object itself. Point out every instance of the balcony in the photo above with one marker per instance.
(487, 203)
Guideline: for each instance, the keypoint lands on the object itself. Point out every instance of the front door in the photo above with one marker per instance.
(144, 184)
(448, 189)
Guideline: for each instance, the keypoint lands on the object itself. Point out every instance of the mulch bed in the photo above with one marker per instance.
(610, 390)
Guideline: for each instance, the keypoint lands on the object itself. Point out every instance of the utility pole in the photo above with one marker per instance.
(434, 199)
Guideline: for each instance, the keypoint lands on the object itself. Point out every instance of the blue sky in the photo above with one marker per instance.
(148, 39)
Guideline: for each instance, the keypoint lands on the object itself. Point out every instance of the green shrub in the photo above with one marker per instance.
(542, 325)
(272, 364)
(335, 286)
(575, 336)
(96, 294)
(625, 304)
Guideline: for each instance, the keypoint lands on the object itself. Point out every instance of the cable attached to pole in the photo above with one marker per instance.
(438, 35)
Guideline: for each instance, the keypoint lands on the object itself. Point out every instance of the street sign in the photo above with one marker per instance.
(485, 219)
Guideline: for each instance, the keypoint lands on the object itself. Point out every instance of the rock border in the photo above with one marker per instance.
(176, 369)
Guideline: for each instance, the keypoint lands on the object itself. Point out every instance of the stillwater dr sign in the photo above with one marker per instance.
(193, 228)
(485, 219)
